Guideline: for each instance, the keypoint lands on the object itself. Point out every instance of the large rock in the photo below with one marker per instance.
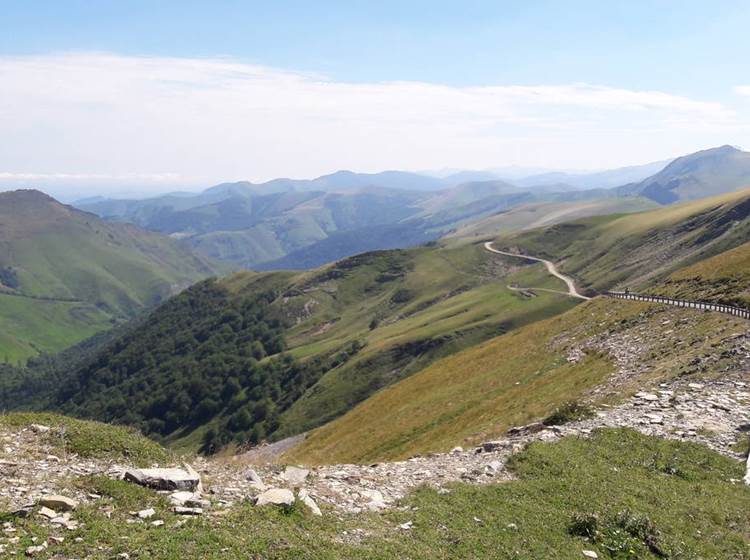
(164, 479)
(58, 503)
(255, 481)
(295, 476)
(275, 496)
(305, 498)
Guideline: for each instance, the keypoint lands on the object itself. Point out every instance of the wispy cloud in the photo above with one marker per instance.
(742, 90)
(100, 114)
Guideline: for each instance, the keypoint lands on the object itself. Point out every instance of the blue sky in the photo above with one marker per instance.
(694, 54)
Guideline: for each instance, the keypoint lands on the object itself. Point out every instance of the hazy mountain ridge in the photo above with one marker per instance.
(694, 176)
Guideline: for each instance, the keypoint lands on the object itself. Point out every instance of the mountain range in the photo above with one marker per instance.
(293, 224)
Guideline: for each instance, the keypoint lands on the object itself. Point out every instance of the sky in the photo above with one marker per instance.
(138, 97)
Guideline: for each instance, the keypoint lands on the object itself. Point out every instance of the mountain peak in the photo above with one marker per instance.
(26, 195)
(698, 175)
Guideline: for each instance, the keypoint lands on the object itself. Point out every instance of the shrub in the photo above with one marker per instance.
(568, 412)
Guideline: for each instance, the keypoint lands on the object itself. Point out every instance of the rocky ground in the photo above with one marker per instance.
(714, 413)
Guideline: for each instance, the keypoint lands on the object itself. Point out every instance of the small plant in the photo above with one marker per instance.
(624, 534)
(585, 525)
(568, 412)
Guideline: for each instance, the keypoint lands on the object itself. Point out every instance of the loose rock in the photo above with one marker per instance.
(275, 496)
(164, 479)
(57, 502)
(295, 476)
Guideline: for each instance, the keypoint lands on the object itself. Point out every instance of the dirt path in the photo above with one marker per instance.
(551, 268)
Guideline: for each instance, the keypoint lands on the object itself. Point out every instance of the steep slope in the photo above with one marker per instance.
(724, 278)
(67, 274)
(638, 249)
(539, 214)
(266, 355)
(699, 175)
(598, 353)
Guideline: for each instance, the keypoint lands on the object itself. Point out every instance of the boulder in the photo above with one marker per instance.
(304, 497)
(376, 499)
(255, 481)
(47, 512)
(164, 479)
(58, 503)
(295, 476)
(189, 499)
(275, 496)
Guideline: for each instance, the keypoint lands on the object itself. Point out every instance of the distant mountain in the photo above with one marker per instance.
(290, 223)
(286, 224)
(699, 175)
(67, 274)
(595, 179)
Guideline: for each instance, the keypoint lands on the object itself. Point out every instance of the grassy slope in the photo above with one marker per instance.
(454, 302)
(542, 214)
(408, 308)
(607, 251)
(91, 439)
(510, 380)
(638, 495)
(723, 278)
(97, 273)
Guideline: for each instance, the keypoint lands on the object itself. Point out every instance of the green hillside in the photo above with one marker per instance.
(529, 216)
(635, 250)
(724, 278)
(511, 380)
(266, 355)
(66, 274)
(524, 375)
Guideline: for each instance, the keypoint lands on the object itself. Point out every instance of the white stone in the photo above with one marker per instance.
(146, 513)
(305, 498)
(40, 428)
(275, 496)
(590, 554)
(295, 476)
(47, 512)
(60, 503)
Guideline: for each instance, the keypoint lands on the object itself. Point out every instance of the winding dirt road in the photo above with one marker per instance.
(551, 268)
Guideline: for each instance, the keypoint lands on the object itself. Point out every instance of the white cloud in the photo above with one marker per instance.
(742, 90)
(204, 120)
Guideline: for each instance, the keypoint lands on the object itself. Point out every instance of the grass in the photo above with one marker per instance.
(619, 493)
(427, 303)
(91, 439)
(31, 326)
(637, 249)
(724, 278)
(79, 273)
(517, 378)
(529, 216)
